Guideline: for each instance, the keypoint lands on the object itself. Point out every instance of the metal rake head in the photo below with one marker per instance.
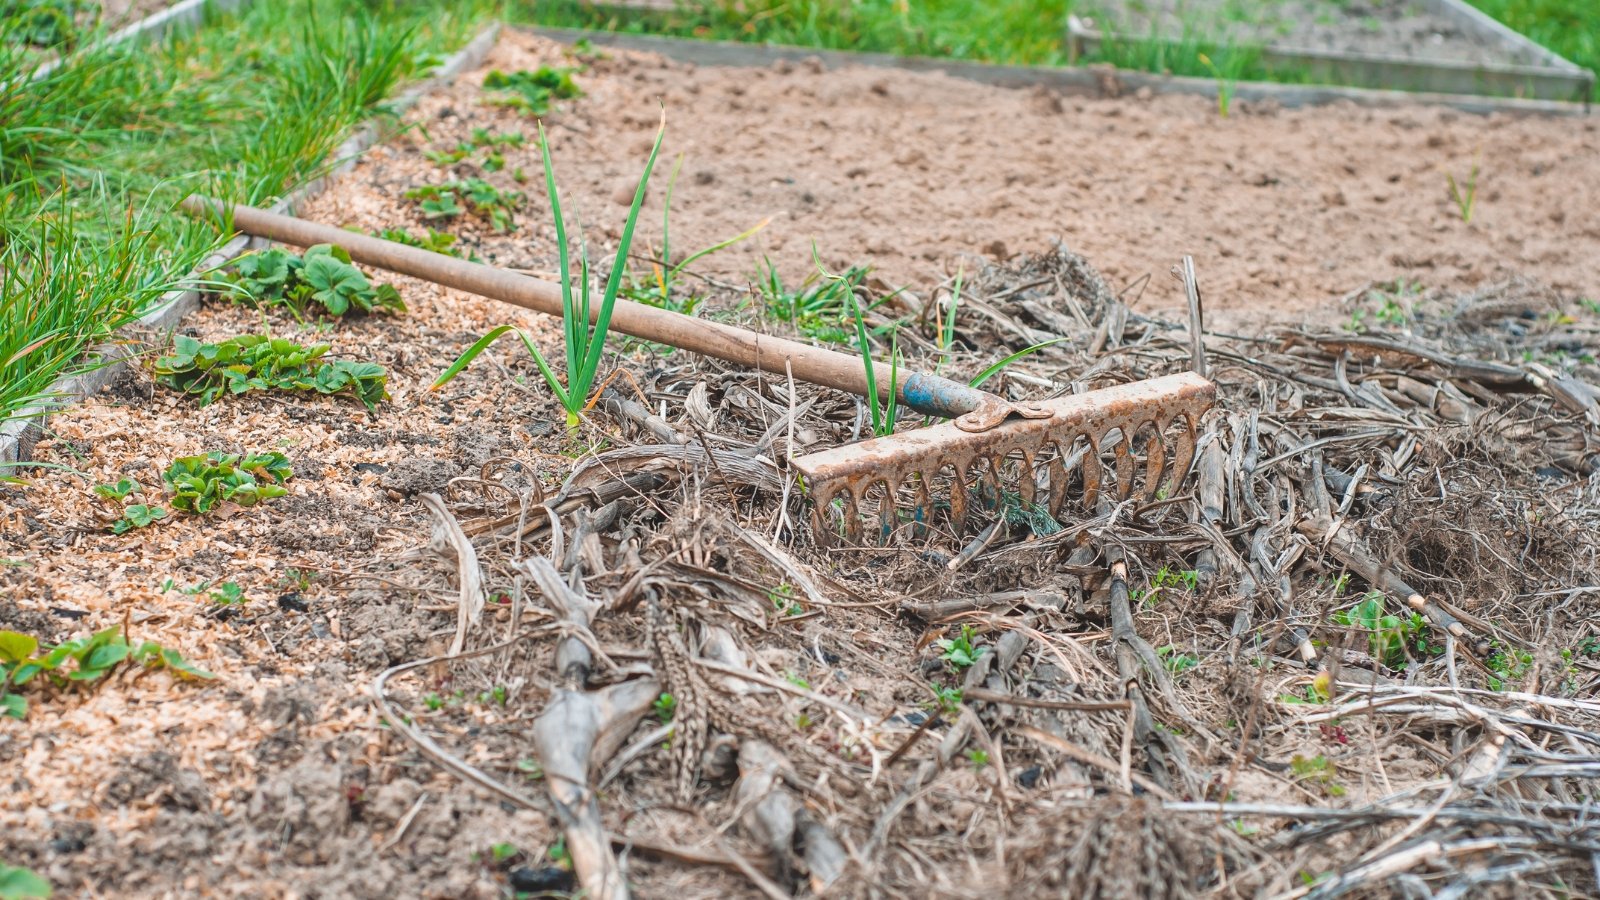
(1034, 465)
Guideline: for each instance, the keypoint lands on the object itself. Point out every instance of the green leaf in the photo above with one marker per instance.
(103, 657)
(173, 661)
(16, 647)
(22, 884)
(1000, 366)
(14, 706)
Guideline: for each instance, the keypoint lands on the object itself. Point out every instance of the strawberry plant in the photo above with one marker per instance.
(444, 201)
(531, 92)
(323, 276)
(138, 515)
(258, 362)
(199, 483)
(482, 139)
(441, 242)
(134, 515)
(90, 658)
(119, 491)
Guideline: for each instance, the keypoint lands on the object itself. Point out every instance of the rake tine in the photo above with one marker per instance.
(1155, 453)
(1124, 464)
(1082, 431)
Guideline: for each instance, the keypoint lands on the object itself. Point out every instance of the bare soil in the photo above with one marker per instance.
(918, 175)
(281, 779)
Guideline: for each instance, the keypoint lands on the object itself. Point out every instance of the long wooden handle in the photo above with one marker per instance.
(927, 394)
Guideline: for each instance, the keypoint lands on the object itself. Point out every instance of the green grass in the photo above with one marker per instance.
(1006, 31)
(63, 289)
(1569, 27)
(246, 107)
(1015, 32)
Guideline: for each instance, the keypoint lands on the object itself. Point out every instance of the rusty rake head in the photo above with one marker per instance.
(1036, 465)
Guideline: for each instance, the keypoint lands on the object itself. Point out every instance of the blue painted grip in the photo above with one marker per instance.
(932, 395)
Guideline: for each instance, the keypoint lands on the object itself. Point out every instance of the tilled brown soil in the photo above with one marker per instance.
(1284, 210)
(278, 779)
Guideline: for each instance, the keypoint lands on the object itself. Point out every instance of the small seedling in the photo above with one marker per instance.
(199, 483)
(1465, 194)
(1318, 770)
(433, 702)
(665, 706)
(1507, 667)
(503, 851)
(531, 92)
(530, 768)
(1226, 83)
(946, 701)
(978, 758)
(558, 854)
(658, 289)
(585, 344)
(443, 201)
(1166, 579)
(1175, 661)
(1388, 636)
(228, 593)
(959, 651)
(947, 325)
(297, 579)
(884, 410)
(323, 276)
(1391, 313)
(482, 139)
(134, 515)
(783, 601)
(259, 362)
(584, 50)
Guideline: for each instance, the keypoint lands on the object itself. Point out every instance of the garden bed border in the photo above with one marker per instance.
(1554, 78)
(1085, 81)
(20, 432)
(180, 16)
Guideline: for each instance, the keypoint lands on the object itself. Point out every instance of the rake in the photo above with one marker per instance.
(1050, 450)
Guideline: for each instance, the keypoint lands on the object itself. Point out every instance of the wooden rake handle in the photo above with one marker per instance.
(927, 394)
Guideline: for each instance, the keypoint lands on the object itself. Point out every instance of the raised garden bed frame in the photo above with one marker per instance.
(1555, 78)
